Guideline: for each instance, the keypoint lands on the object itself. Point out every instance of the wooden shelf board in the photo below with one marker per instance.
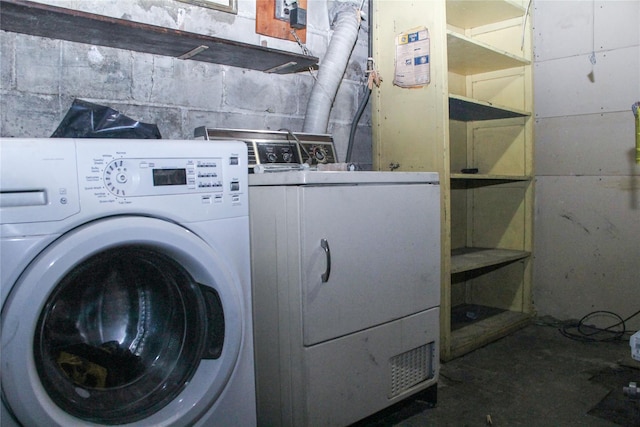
(473, 13)
(36, 19)
(483, 332)
(467, 109)
(464, 315)
(480, 177)
(467, 259)
(467, 56)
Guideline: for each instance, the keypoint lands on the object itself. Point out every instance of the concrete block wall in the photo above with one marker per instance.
(41, 77)
(587, 223)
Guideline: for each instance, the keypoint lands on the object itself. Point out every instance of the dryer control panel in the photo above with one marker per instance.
(281, 147)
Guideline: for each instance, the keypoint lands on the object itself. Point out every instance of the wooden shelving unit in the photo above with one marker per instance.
(475, 114)
(36, 19)
(469, 110)
(489, 178)
(468, 56)
(469, 259)
(469, 14)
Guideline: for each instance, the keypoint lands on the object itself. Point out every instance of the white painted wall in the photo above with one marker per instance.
(587, 224)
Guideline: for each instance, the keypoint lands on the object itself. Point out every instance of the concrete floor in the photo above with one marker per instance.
(534, 377)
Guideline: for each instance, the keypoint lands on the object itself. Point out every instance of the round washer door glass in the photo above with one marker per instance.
(121, 335)
(125, 320)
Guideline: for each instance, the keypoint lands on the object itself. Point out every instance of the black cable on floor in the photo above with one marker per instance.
(582, 331)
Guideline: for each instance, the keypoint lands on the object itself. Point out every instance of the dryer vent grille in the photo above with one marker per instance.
(411, 368)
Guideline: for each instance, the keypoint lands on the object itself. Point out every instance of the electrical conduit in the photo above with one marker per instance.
(332, 68)
(636, 112)
(367, 89)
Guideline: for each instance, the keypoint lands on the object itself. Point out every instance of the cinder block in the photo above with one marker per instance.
(95, 71)
(256, 91)
(37, 65)
(28, 115)
(277, 122)
(40, 78)
(223, 119)
(173, 81)
(7, 64)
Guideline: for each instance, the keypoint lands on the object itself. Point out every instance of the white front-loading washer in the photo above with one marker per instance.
(125, 291)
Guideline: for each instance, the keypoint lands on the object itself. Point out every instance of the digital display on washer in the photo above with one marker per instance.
(169, 177)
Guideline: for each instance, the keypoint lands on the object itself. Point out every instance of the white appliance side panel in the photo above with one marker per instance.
(350, 378)
(276, 303)
(384, 244)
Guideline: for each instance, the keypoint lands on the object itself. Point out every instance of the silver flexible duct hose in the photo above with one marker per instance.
(332, 69)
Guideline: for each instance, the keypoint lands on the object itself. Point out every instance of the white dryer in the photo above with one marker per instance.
(346, 285)
(125, 275)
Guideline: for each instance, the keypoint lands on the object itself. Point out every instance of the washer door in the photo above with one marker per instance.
(122, 320)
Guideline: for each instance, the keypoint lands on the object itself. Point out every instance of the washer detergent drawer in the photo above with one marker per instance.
(370, 255)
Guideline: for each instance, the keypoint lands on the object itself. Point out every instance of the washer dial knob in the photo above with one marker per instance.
(119, 177)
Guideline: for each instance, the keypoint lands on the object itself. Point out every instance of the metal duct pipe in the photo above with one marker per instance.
(332, 68)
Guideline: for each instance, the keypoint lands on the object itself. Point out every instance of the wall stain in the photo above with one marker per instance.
(575, 221)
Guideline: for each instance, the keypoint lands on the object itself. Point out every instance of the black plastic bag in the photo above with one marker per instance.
(87, 120)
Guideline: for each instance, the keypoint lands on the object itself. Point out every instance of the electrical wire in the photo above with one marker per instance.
(582, 331)
(297, 144)
(367, 91)
(524, 24)
(354, 123)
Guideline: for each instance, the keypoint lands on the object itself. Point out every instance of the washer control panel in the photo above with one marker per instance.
(186, 179)
(48, 184)
(127, 177)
